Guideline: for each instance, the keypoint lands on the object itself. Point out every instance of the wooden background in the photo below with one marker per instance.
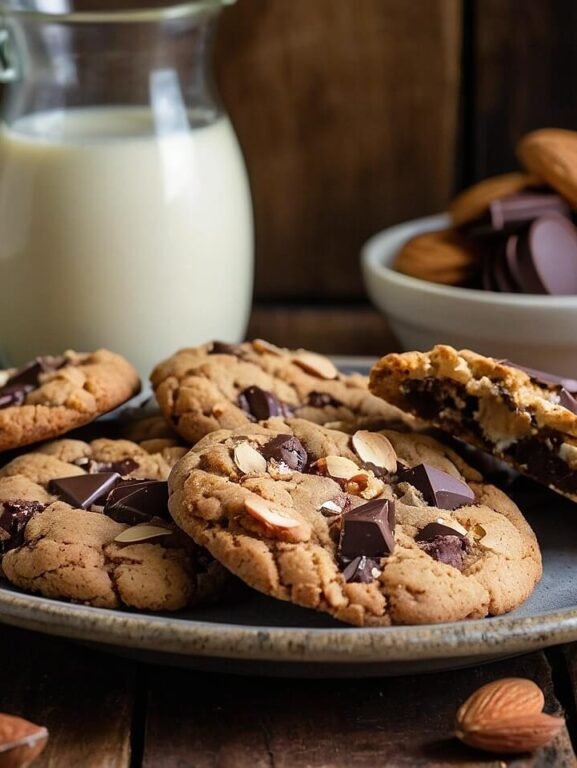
(357, 114)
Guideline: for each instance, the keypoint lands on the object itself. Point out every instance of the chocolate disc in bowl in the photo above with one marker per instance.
(547, 257)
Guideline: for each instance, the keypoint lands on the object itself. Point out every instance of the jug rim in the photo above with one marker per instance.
(154, 13)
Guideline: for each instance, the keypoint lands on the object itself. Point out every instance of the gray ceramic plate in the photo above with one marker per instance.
(257, 635)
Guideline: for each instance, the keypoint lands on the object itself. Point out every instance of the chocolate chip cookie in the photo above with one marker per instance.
(523, 416)
(223, 386)
(52, 395)
(89, 522)
(374, 528)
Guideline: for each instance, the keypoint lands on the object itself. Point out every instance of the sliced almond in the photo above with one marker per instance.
(339, 467)
(375, 448)
(261, 511)
(330, 508)
(4, 376)
(249, 460)
(142, 532)
(260, 345)
(318, 365)
(453, 524)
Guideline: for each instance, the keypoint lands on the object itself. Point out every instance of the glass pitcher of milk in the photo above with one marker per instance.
(125, 210)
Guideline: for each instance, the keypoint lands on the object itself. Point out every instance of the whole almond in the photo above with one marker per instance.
(261, 511)
(249, 460)
(375, 448)
(506, 716)
(142, 532)
(316, 364)
(20, 741)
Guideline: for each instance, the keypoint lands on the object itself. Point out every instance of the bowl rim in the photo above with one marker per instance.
(375, 263)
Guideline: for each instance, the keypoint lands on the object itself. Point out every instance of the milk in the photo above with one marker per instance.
(111, 236)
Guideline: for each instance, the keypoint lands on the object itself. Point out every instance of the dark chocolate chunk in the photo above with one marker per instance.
(137, 501)
(544, 378)
(432, 530)
(368, 530)
(567, 400)
(514, 211)
(437, 487)
(287, 449)
(29, 374)
(262, 405)
(82, 491)
(322, 400)
(13, 521)
(539, 458)
(222, 348)
(503, 277)
(449, 549)
(547, 257)
(13, 395)
(123, 466)
(360, 570)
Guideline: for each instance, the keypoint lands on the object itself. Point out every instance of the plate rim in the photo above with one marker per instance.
(496, 636)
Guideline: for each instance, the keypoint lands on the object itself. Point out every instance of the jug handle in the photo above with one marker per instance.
(8, 58)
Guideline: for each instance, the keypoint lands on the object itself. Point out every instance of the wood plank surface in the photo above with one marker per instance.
(525, 58)
(338, 330)
(347, 114)
(84, 698)
(203, 721)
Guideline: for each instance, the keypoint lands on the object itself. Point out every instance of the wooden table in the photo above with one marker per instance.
(108, 712)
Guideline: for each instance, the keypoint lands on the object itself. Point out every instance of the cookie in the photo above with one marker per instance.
(474, 201)
(444, 256)
(551, 154)
(223, 386)
(78, 522)
(52, 395)
(525, 417)
(376, 528)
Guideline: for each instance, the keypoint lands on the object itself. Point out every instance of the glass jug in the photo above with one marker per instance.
(125, 211)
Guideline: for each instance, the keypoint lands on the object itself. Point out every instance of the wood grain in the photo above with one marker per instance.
(525, 58)
(206, 720)
(347, 115)
(84, 698)
(338, 330)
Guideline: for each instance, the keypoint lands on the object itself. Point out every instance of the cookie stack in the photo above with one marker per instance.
(511, 233)
(299, 480)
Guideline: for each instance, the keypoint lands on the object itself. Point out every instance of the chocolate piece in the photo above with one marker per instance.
(437, 487)
(287, 449)
(262, 405)
(123, 466)
(567, 400)
(432, 530)
(514, 211)
(137, 501)
(322, 400)
(360, 570)
(81, 491)
(13, 521)
(222, 348)
(13, 395)
(450, 549)
(544, 378)
(368, 530)
(503, 277)
(547, 257)
(29, 374)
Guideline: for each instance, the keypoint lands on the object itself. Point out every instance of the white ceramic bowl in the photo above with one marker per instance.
(537, 331)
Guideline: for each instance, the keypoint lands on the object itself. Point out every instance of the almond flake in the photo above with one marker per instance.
(260, 510)
(340, 467)
(249, 460)
(316, 364)
(142, 532)
(375, 448)
(330, 507)
(453, 524)
(260, 345)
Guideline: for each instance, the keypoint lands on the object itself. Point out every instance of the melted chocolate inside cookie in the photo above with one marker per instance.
(13, 521)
